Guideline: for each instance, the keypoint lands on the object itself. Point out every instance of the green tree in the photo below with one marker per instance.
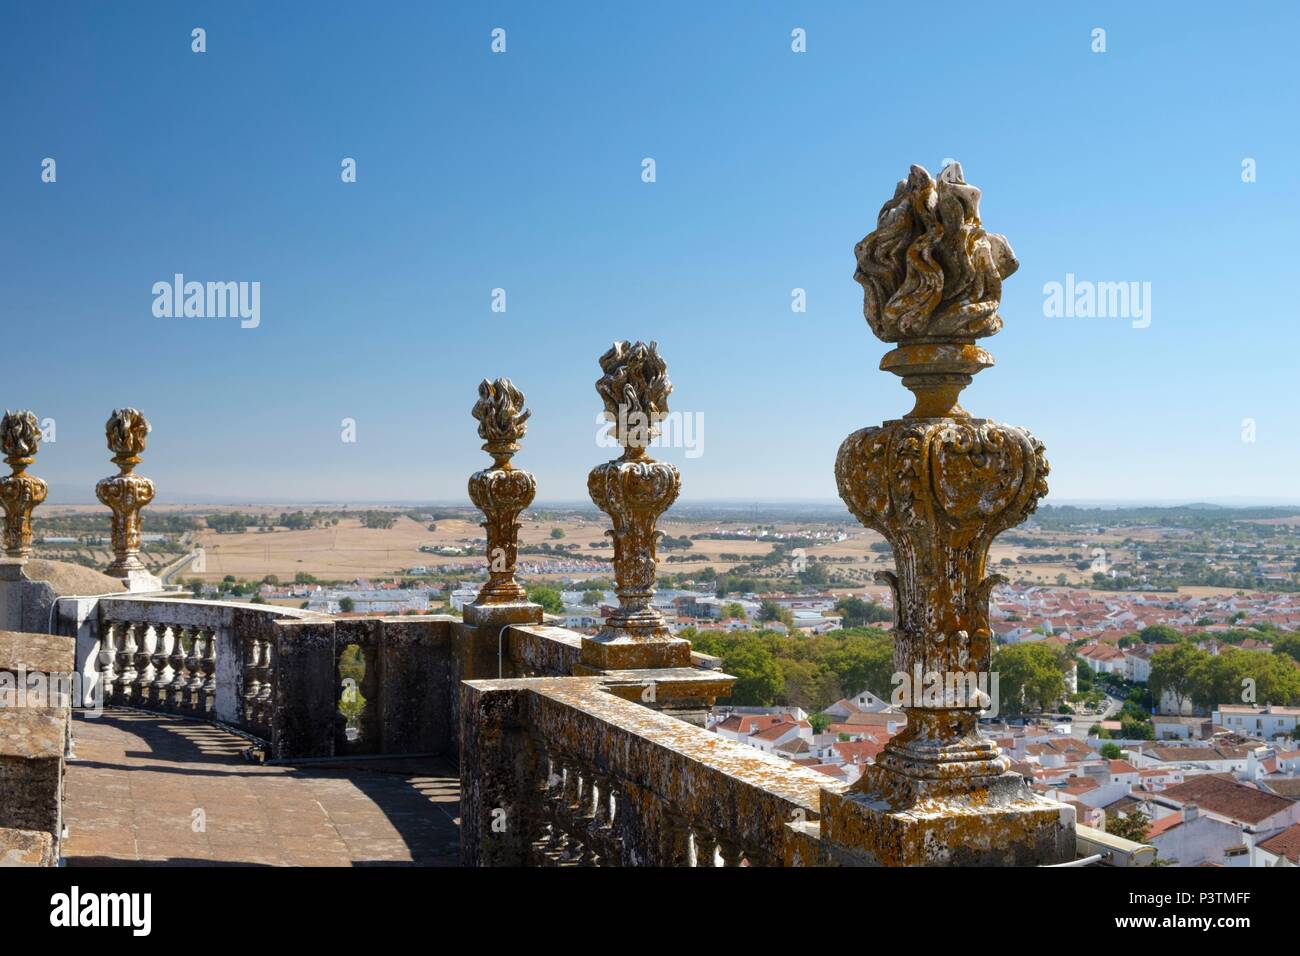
(1133, 728)
(1031, 676)
(557, 533)
(1161, 634)
(733, 609)
(1133, 825)
(815, 575)
(758, 676)
(346, 605)
(1174, 670)
(592, 597)
(547, 597)
(1288, 644)
(856, 612)
(1111, 751)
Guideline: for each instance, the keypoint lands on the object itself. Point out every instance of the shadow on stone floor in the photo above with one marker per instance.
(148, 789)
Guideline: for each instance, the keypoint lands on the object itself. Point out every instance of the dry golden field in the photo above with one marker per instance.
(348, 550)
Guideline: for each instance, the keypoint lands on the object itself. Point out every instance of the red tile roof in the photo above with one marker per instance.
(1286, 843)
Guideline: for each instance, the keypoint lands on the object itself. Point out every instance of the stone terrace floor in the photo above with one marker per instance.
(137, 779)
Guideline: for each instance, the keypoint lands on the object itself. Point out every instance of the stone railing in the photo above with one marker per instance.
(560, 771)
(577, 772)
(206, 659)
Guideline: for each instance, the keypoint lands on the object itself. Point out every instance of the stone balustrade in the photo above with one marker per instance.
(207, 659)
(560, 771)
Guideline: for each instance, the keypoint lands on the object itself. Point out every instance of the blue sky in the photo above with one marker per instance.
(523, 171)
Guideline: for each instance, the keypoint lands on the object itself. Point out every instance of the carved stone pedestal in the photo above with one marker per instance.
(634, 491)
(940, 485)
(880, 823)
(502, 492)
(20, 493)
(126, 493)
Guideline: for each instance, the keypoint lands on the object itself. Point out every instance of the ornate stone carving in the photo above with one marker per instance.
(634, 490)
(126, 493)
(20, 493)
(932, 281)
(503, 491)
(940, 485)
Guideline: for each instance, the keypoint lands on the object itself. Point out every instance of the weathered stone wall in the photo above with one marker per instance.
(669, 776)
(28, 591)
(34, 736)
(406, 686)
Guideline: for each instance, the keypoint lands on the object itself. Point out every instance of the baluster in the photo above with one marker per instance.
(107, 663)
(144, 665)
(160, 659)
(176, 690)
(598, 819)
(248, 672)
(126, 675)
(555, 839)
(613, 806)
(579, 816)
(537, 802)
(585, 819)
(264, 699)
(209, 666)
(674, 839)
(731, 852)
(194, 663)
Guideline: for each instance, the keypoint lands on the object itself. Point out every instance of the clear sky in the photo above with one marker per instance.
(523, 171)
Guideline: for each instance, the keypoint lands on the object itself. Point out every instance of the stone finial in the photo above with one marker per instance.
(501, 492)
(20, 493)
(127, 430)
(502, 418)
(940, 486)
(634, 491)
(932, 281)
(930, 270)
(635, 390)
(126, 493)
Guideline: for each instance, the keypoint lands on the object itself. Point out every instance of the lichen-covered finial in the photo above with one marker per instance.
(126, 430)
(930, 271)
(502, 418)
(20, 436)
(635, 390)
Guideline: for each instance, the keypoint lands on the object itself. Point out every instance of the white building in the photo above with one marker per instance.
(1250, 720)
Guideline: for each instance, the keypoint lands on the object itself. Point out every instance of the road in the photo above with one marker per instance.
(1081, 724)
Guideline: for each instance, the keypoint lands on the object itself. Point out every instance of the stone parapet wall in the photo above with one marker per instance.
(563, 771)
(35, 727)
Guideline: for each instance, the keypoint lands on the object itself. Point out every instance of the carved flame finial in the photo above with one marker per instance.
(930, 271)
(502, 418)
(635, 390)
(20, 436)
(127, 430)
